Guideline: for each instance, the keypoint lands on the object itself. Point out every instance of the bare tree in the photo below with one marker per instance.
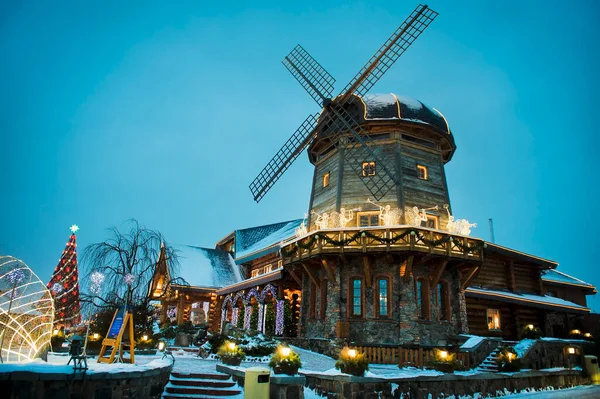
(120, 270)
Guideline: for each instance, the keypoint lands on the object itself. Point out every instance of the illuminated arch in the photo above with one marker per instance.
(26, 312)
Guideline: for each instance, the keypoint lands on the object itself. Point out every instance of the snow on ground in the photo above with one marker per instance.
(58, 364)
(472, 342)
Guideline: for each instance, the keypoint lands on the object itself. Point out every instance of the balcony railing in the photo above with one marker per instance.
(382, 239)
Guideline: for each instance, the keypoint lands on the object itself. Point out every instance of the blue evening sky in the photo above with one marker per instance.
(114, 110)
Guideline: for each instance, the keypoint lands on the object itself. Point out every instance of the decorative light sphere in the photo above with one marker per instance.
(161, 346)
(530, 326)
(57, 288)
(74, 228)
(96, 336)
(285, 352)
(352, 353)
(129, 279)
(22, 293)
(571, 350)
(443, 354)
(144, 337)
(231, 346)
(97, 278)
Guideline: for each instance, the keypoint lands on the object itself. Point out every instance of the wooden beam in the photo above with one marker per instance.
(311, 275)
(469, 278)
(294, 276)
(368, 271)
(512, 284)
(409, 267)
(329, 269)
(437, 273)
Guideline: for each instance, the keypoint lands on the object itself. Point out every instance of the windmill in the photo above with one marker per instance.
(337, 116)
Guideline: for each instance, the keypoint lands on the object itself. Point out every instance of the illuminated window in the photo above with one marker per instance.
(423, 298)
(355, 297)
(366, 219)
(493, 319)
(268, 268)
(443, 299)
(382, 297)
(422, 172)
(255, 273)
(368, 168)
(431, 222)
(326, 179)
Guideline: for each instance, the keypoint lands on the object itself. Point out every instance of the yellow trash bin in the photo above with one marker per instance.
(257, 383)
(590, 367)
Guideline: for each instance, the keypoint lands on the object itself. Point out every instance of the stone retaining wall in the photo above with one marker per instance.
(31, 385)
(348, 387)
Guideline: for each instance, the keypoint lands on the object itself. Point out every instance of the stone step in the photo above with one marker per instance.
(203, 376)
(170, 389)
(196, 382)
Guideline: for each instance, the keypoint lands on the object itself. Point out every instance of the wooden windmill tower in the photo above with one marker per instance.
(369, 152)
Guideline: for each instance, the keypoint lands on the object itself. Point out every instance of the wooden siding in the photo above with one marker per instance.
(477, 318)
(493, 274)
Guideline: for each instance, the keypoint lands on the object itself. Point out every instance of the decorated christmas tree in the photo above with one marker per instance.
(64, 286)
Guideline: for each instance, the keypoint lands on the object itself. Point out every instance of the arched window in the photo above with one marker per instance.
(382, 296)
(423, 298)
(443, 301)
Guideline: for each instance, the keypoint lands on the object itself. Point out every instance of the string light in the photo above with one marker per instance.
(129, 279)
(57, 288)
(74, 228)
(387, 215)
(279, 317)
(460, 226)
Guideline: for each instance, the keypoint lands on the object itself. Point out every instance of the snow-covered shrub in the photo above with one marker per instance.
(231, 354)
(531, 332)
(444, 361)
(285, 361)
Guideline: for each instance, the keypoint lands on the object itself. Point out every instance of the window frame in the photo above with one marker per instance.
(377, 296)
(425, 170)
(370, 214)
(350, 306)
(325, 180)
(369, 164)
(444, 308)
(423, 307)
(435, 218)
(493, 312)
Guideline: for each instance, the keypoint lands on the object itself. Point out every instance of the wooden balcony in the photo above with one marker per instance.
(382, 239)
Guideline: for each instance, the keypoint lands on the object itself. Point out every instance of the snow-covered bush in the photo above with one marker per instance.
(285, 361)
(352, 362)
(508, 360)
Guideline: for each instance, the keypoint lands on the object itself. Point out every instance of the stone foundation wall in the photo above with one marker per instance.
(30, 385)
(420, 388)
(402, 326)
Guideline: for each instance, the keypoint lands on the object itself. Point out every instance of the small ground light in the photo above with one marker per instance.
(285, 352)
(231, 346)
(575, 332)
(530, 326)
(510, 355)
(443, 354)
(55, 332)
(96, 336)
(144, 337)
(571, 351)
(587, 335)
(161, 346)
(351, 352)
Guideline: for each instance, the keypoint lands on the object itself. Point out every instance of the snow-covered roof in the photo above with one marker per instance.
(258, 241)
(204, 267)
(554, 276)
(542, 301)
(392, 106)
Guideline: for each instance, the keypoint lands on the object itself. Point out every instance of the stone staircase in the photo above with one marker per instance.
(489, 364)
(201, 386)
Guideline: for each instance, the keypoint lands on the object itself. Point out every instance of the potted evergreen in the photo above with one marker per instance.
(352, 362)
(508, 360)
(231, 354)
(285, 361)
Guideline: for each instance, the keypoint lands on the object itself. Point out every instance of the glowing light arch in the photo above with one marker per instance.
(26, 312)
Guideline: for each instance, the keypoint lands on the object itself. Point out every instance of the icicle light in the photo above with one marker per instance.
(26, 312)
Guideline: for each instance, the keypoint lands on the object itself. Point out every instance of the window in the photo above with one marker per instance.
(268, 268)
(312, 301)
(255, 273)
(443, 299)
(423, 298)
(493, 319)
(431, 222)
(422, 172)
(326, 179)
(323, 299)
(382, 297)
(366, 219)
(355, 297)
(368, 169)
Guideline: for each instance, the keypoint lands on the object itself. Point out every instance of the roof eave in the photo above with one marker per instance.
(549, 264)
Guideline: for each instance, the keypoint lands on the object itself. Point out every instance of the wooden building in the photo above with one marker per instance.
(398, 271)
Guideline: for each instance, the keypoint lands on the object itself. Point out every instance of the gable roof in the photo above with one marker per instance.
(556, 277)
(205, 267)
(258, 241)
